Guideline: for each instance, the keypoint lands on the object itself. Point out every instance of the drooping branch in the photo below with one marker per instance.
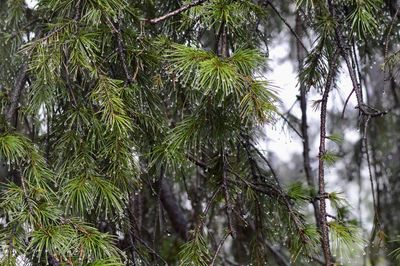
(176, 12)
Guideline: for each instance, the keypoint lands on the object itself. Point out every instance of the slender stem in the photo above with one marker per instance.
(294, 33)
(221, 243)
(176, 12)
(304, 124)
(323, 223)
(291, 125)
(228, 207)
(121, 48)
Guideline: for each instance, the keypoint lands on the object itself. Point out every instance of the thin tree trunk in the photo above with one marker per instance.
(304, 125)
(323, 223)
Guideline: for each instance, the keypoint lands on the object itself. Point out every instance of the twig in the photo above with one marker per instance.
(197, 162)
(365, 140)
(228, 207)
(346, 102)
(387, 39)
(221, 243)
(268, 2)
(151, 250)
(387, 76)
(248, 143)
(176, 12)
(26, 195)
(121, 48)
(211, 200)
(291, 126)
(77, 15)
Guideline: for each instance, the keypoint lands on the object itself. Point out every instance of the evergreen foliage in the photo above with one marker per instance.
(129, 138)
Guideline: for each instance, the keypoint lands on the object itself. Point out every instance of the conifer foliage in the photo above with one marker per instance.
(128, 133)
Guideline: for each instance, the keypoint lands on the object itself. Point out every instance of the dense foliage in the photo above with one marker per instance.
(129, 131)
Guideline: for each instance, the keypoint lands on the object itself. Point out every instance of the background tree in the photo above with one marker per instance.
(129, 132)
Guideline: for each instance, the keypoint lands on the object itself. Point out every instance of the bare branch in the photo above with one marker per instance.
(291, 125)
(268, 2)
(176, 12)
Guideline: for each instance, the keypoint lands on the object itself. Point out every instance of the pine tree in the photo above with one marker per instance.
(129, 132)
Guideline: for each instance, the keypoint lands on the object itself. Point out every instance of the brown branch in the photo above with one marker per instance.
(323, 223)
(176, 12)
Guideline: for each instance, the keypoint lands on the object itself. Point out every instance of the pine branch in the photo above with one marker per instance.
(176, 12)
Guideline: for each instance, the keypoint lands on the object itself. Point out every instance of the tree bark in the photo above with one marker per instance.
(174, 211)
